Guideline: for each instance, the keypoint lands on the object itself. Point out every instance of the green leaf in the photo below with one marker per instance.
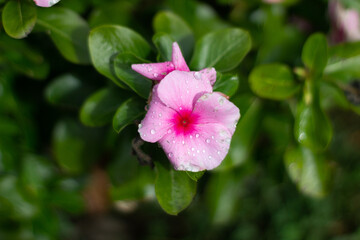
(226, 83)
(134, 80)
(312, 128)
(67, 90)
(68, 31)
(127, 113)
(223, 49)
(344, 62)
(245, 134)
(308, 170)
(19, 18)
(106, 42)
(163, 43)
(177, 28)
(76, 147)
(314, 53)
(273, 81)
(100, 107)
(174, 189)
(195, 175)
(36, 171)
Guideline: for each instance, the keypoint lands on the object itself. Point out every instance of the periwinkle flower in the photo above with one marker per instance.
(46, 3)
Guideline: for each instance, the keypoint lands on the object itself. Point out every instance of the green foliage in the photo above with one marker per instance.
(129, 111)
(314, 54)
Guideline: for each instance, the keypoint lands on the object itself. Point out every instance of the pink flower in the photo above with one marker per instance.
(346, 22)
(157, 71)
(46, 3)
(193, 125)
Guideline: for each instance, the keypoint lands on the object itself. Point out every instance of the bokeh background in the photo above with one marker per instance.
(61, 179)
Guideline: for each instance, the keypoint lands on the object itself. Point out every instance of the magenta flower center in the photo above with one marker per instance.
(184, 122)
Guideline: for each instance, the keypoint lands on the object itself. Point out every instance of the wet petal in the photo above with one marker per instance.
(180, 90)
(154, 71)
(178, 59)
(215, 108)
(210, 74)
(205, 149)
(46, 3)
(157, 121)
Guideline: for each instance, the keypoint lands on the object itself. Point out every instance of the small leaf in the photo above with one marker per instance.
(19, 18)
(163, 43)
(314, 53)
(226, 83)
(223, 49)
(106, 42)
(195, 175)
(177, 28)
(134, 80)
(308, 170)
(100, 107)
(174, 189)
(67, 90)
(312, 127)
(273, 81)
(68, 31)
(128, 112)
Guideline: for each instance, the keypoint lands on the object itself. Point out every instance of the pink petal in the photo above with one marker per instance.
(205, 149)
(178, 59)
(210, 74)
(157, 120)
(45, 3)
(180, 90)
(154, 71)
(215, 108)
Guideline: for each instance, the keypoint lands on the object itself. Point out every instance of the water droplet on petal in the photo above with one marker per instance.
(203, 151)
(170, 155)
(210, 157)
(191, 136)
(183, 142)
(180, 108)
(140, 126)
(208, 140)
(152, 131)
(197, 135)
(192, 149)
(228, 140)
(198, 151)
(160, 115)
(169, 131)
(218, 152)
(197, 75)
(156, 74)
(212, 137)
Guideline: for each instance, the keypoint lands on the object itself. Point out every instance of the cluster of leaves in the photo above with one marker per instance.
(52, 157)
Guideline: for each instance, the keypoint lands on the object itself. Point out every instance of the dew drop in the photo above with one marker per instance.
(156, 74)
(170, 155)
(192, 149)
(203, 151)
(210, 157)
(228, 140)
(197, 135)
(173, 141)
(198, 151)
(221, 100)
(180, 108)
(169, 131)
(160, 115)
(193, 154)
(208, 140)
(212, 137)
(191, 136)
(150, 69)
(152, 131)
(197, 75)
(140, 125)
(218, 152)
(183, 142)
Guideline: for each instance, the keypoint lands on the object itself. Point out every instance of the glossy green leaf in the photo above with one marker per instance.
(195, 175)
(344, 62)
(67, 90)
(245, 134)
(177, 28)
(75, 146)
(100, 107)
(19, 18)
(163, 43)
(312, 127)
(116, 12)
(132, 79)
(222, 49)
(68, 31)
(308, 170)
(273, 81)
(128, 112)
(314, 53)
(174, 189)
(226, 83)
(106, 42)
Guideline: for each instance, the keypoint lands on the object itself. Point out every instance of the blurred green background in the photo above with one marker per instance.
(65, 173)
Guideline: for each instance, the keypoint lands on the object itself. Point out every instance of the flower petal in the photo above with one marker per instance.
(157, 120)
(205, 149)
(215, 108)
(154, 71)
(210, 74)
(180, 90)
(178, 59)
(45, 3)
